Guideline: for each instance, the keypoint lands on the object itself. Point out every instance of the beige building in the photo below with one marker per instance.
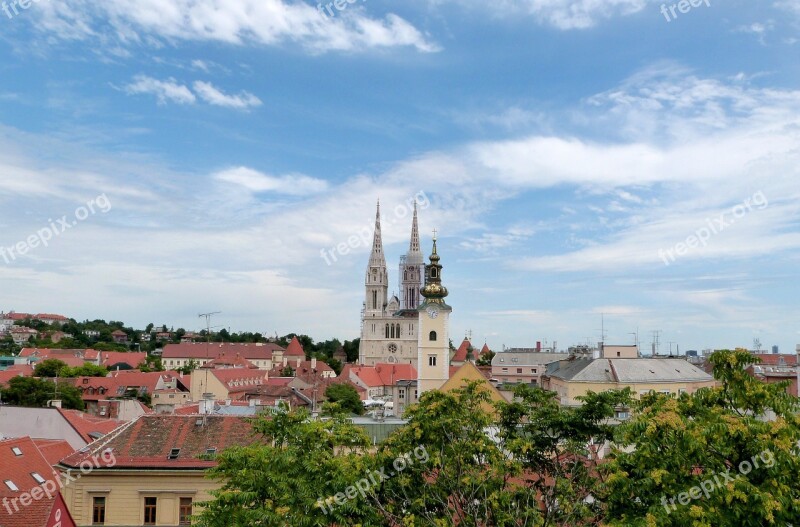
(264, 356)
(527, 367)
(433, 353)
(150, 471)
(577, 377)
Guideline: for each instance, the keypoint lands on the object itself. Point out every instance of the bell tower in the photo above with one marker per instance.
(433, 355)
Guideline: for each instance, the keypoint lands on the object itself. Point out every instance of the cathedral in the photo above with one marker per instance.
(405, 329)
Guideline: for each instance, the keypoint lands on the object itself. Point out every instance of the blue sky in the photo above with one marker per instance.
(578, 158)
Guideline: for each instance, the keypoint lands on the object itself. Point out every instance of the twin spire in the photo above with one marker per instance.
(377, 258)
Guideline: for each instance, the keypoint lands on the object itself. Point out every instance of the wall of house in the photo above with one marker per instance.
(569, 391)
(125, 494)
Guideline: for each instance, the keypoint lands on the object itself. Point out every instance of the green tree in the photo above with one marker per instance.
(51, 368)
(189, 367)
(287, 371)
(35, 393)
(721, 456)
(287, 476)
(346, 396)
(485, 360)
(87, 370)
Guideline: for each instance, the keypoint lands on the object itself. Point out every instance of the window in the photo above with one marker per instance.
(38, 477)
(519, 370)
(401, 393)
(431, 360)
(432, 336)
(17, 451)
(374, 300)
(387, 331)
(505, 370)
(185, 512)
(98, 510)
(150, 507)
(10, 484)
(174, 453)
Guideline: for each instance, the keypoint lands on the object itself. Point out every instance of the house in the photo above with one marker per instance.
(776, 368)
(576, 377)
(72, 357)
(51, 319)
(179, 355)
(225, 383)
(121, 360)
(464, 353)
(153, 470)
(97, 392)
(76, 428)
(22, 335)
(380, 381)
(30, 490)
(468, 373)
(119, 336)
(526, 367)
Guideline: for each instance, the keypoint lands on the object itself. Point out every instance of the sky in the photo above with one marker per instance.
(590, 166)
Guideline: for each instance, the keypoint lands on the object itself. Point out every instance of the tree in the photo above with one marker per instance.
(87, 370)
(50, 368)
(721, 456)
(35, 393)
(291, 474)
(189, 367)
(485, 360)
(346, 396)
(287, 371)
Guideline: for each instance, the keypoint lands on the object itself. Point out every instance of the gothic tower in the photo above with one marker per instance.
(433, 355)
(377, 278)
(412, 267)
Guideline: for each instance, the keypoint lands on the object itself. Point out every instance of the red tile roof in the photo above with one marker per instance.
(118, 382)
(6, 376)
(53, 450)
(485, 350)
(191, 350)
(146, 443)
(87, 425)
(381, 374)
(768, 359)
(463, 354)
(240, 380)
(18, 468)
(111, 358)
(226, 361)
(295, 349)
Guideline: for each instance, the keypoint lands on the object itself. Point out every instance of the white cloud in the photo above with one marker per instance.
(212, 95)
(165, 91)
(238, 22)
(254, 181)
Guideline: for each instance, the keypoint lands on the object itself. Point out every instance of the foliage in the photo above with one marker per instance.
(86, 370)
(152, 363)
(50, 368)
(287, 371)
(189, 367)
(485, 360)
(283, 482)
(35, 393)
(694, 441)
(346, 396)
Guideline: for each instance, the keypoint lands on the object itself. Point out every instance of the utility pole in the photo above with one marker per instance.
(208, 316)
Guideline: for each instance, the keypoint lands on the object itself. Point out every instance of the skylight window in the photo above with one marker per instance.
(16, 450)
(174, 453)
(10, 484)
(38, 477)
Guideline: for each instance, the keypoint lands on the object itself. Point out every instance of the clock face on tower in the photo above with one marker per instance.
(432, 312)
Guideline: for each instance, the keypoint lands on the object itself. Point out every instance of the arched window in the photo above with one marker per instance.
(432, 336)
(433, 272)
(398, 330)
(374, 300)
(387, 331)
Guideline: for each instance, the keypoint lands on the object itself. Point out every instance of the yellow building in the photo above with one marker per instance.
(150, 471)
(576, 377)
(470, 373)
(433, 347)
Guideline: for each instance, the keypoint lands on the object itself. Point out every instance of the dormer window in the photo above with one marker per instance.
(174, 453)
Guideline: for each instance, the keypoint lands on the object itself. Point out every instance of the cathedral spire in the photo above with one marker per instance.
(377, 258)
(414, 250)
(434, 291)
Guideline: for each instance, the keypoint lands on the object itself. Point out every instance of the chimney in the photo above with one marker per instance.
(538, 346)
(313, 363)
(55, 403)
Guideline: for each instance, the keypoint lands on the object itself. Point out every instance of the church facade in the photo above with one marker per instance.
(389, 326)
